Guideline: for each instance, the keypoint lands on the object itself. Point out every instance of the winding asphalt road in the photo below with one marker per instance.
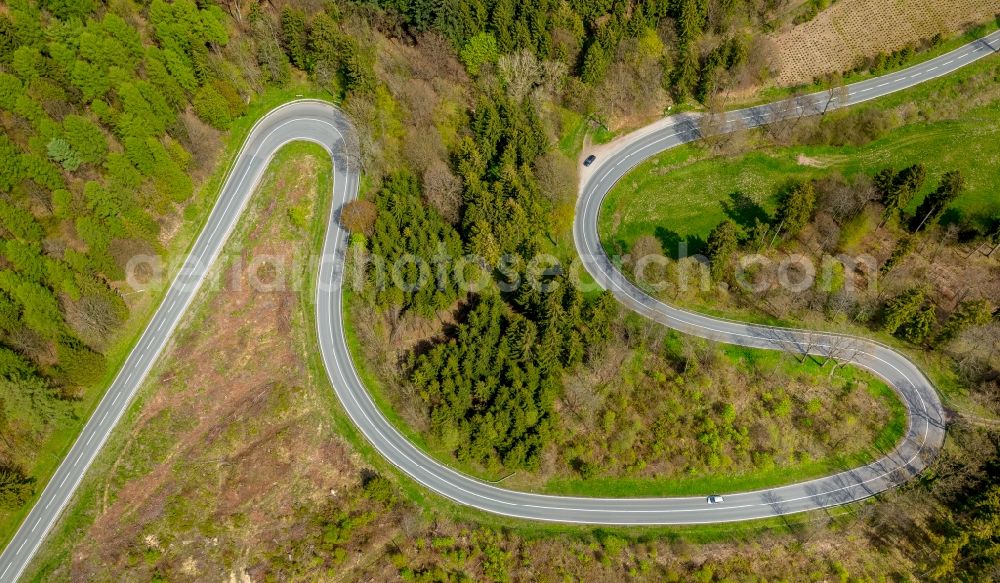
(324, 124)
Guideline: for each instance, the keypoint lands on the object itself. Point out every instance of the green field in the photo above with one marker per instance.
(679, 193)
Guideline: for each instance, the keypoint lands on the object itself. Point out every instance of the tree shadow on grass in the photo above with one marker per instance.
(744, 210)
(676, 245)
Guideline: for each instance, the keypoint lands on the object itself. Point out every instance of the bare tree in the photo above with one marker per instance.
(421, 101)
(780, 119)
(845, 200)
(520, 72)
(716, 127)
(806, 104)
(581, 399)
(632, 85)
(94, 318)
(836, 94)
(370, 129)
(557, 176)
(235, 9)
(435, 59)
(840, 351)
(552, 74)
(949, 236)
(443, 190)
(422, 147)
(761, 62)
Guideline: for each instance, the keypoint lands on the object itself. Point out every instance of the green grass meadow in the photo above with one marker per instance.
(680, 192)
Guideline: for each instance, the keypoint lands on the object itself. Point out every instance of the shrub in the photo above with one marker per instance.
(80, 364)
(15, 486)
(60, 151)
(212, 107)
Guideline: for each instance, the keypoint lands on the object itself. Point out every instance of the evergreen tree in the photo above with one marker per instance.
(40, 308)
(919, 326)
(295, 37)
(16, 487)
(11, 170)
(934, 205)
(85, 138)
(969, 313)
(211, 107)
(796, 206)
(406, 233)
(68, 9)
(10, 89)
(722, 243)
(685, 72)
(19, 222)
(899, 310)
(595, 63)
(882, 181)
(896, 194)
(902, 249)
(13, 365)
(8, 38)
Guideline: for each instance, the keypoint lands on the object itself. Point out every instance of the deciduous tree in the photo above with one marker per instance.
(359, 216)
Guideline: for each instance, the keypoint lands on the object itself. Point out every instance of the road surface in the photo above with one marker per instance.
(324, 124)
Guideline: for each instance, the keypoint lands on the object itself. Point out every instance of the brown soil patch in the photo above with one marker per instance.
(235, 430)
(803, 160)
(835, 39)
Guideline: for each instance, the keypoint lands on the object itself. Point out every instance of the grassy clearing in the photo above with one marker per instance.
(679, 193)
(574, 132)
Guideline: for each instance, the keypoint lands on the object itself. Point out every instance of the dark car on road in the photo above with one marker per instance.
(590, 160)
